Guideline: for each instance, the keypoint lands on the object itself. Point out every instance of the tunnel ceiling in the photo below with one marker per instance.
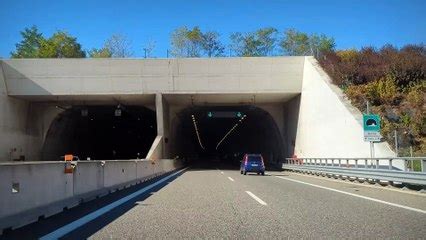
(226, 133)
(101, 133)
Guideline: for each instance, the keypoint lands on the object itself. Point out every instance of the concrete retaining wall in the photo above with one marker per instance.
(34, 189)
(328, 125)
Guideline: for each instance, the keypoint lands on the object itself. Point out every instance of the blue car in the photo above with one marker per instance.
(252, 163)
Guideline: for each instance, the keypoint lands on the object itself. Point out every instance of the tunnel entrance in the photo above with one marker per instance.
(101, 133)
(212, 136)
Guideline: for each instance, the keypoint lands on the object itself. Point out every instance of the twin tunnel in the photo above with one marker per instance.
(202, 135)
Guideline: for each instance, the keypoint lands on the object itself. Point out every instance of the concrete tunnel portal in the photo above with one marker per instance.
(207, 136)
(203, 135)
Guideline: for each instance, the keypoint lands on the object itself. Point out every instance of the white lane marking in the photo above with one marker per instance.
(256, 198)
(356, 195)
(62, 231)
(231, 179)
(221, 172)
(361, 185)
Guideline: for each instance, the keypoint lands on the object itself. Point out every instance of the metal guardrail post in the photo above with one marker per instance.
(423, 165)
(356, 163)
(377, 163)
(366, 163)
(405, 165)
(340, 162)
(390, 164)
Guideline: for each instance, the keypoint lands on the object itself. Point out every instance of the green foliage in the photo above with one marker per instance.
(100, 53)
(194, 43)
(211, 44)
(179, 42)
(416, 94)
(296, 43)
(254, 44)
(29, 45)
(382, 91)
(61, 45)
(119, 46)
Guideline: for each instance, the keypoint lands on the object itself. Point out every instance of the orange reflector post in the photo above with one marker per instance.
(68, 157)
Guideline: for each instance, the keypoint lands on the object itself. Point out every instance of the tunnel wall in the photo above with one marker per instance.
(275, 112)
(328, 125)
(291, 116)
(23, 125)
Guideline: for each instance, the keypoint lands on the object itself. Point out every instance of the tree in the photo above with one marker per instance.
(119, 46)
(179, 42)
(211, 45)
(148, 48)
(186, 43)
(253, 44)
(29, 45)
(267, 40)
(61, 45)
(194, 42)
(100, 53)
(296, 43)
(319, 44)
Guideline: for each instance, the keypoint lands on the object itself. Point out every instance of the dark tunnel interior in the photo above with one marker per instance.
(101, 133)
(225, 134)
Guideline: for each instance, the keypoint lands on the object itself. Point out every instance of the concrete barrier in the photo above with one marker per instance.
(40, 189)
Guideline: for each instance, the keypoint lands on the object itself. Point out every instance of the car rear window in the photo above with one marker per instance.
(254, 159)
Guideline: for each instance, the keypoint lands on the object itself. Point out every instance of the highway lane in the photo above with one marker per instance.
(216, 203)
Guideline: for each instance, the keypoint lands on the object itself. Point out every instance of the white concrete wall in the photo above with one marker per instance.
(44, 188)
(328, 126)
(45, 77)
(23, 125)
(156, 150)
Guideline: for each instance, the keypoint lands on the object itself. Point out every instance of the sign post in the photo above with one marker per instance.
(371, 125)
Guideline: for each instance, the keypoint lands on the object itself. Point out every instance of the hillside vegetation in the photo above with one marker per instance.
(393, 82)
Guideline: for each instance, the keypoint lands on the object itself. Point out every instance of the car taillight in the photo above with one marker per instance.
(245, 161)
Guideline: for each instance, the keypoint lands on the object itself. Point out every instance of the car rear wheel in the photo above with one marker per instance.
(245, 173)
(241, 172)
(263, 173)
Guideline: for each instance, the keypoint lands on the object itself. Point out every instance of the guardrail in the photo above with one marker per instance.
(367, 168)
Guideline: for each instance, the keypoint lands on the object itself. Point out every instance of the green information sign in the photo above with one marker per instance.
(224, 114)
(371, 124)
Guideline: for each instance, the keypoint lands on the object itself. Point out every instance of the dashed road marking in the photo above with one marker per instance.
(256, 198)
(357, 195)
(231, 179)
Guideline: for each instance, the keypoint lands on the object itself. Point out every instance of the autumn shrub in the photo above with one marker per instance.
(393, 81)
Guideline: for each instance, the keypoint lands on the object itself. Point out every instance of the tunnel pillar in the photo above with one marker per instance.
(163, 126)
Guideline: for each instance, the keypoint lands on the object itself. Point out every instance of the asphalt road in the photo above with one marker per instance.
(211, 204)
